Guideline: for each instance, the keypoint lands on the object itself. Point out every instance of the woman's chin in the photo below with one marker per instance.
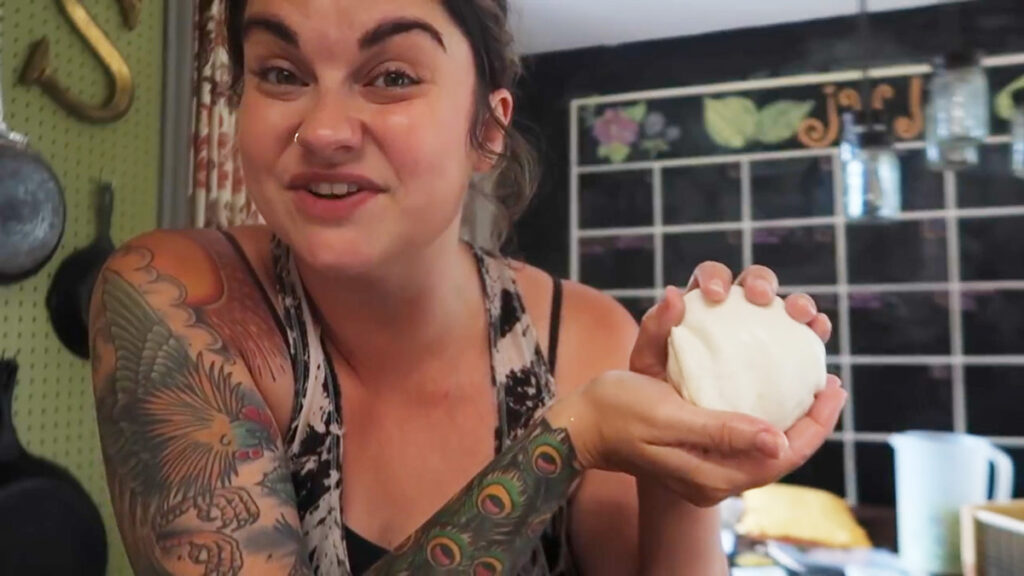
(337, 252)
(362, 246)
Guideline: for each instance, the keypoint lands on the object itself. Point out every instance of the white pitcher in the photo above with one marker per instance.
(936, 474)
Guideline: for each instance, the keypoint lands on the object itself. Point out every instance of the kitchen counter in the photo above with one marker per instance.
(878, 521)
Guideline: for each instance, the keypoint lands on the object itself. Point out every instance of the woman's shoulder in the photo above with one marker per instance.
(582, 305)
(199, 279)
(596, 332)
(195, 255)
(203, 264)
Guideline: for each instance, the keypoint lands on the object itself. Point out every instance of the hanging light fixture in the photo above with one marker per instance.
(958, 115)
(1017, 150)
(871, 171)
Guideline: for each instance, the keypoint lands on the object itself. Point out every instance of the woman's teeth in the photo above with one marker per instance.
(333, 189)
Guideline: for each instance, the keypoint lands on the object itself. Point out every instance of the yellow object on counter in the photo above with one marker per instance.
(800, 515)
(752, 560)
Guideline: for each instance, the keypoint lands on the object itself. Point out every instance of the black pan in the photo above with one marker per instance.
(71, 289)
(32, 212)
(50, 524)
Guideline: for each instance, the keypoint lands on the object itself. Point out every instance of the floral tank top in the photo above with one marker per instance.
(523, 385)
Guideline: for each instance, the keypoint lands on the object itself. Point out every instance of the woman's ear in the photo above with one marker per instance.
(492, 135)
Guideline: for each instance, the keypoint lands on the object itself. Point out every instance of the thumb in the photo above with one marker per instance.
(650, 352)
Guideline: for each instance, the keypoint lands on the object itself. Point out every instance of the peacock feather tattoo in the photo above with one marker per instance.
(489, 528)
(178, 426)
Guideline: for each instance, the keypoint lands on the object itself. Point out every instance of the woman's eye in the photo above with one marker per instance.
(279, 76)
(394, 79)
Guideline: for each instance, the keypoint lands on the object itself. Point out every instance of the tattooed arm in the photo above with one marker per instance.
(195, 464)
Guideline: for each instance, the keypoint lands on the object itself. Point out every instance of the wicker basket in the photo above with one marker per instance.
(992, 539)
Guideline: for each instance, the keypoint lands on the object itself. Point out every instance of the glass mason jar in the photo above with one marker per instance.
(872, 177)
(959, 114)
(941, 158)
(1017, 150)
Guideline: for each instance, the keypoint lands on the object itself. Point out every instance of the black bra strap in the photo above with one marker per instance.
(556, 321)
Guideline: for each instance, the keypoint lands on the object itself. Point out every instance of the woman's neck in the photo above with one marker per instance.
(410, 315)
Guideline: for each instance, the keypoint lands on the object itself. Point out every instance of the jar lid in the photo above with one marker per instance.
(875, 137)
(870, 129)
(960, 58)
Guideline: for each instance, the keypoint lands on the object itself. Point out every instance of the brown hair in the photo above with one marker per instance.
(485, 24)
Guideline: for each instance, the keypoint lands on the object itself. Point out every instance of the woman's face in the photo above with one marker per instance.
(354, 125)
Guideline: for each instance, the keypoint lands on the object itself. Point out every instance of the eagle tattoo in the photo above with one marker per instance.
(178, 428)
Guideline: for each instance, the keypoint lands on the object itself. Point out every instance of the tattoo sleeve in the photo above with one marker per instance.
(490, 526)
(194, 459)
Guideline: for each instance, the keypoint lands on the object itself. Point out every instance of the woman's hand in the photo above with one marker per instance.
(635, 422)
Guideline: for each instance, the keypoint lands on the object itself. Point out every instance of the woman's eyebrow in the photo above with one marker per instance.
(390, 28)
(272, 26)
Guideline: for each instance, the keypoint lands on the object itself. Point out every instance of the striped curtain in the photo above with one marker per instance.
(219, 199)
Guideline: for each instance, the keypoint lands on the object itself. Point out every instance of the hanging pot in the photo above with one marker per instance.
(51, 525)
(68, 298)
(32, 211)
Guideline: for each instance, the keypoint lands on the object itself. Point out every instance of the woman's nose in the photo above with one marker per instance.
(331, 130)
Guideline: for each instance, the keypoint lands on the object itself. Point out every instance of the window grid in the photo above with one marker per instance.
(955, 312)
(845, 360)
(917, 215)
(659, 221)
(845, 346)
(951, 214)
(747, 213)
(834, 289)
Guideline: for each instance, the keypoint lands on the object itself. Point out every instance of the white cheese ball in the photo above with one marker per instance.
(736, 356)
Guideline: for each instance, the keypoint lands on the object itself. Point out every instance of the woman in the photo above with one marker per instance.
(227, 366)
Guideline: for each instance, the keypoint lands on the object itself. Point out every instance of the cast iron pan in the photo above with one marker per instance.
(71, 288)
(32, 210)
(50, 525)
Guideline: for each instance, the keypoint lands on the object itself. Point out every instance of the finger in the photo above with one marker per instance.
(811, 431)
(822, 326)
(720, 433)
(650, 352)
(801, 308)
(760, 284)
(713, 280)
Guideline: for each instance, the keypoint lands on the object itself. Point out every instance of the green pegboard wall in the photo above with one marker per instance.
(53, 406)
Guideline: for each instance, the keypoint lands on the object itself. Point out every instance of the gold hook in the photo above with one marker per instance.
(38, 68)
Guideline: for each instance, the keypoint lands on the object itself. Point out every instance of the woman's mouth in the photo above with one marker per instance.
(333, 190)
(333, 201)
(332, 196)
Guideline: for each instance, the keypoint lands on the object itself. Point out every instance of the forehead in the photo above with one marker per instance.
(321, 24)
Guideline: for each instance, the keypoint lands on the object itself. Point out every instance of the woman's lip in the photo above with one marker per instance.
(306, 180)
(331, 210)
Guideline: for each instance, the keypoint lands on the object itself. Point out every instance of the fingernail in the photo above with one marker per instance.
(840, 406)
(717, 287)
(811, 303)
(770, 444)
(760, 284)
(692, 282)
